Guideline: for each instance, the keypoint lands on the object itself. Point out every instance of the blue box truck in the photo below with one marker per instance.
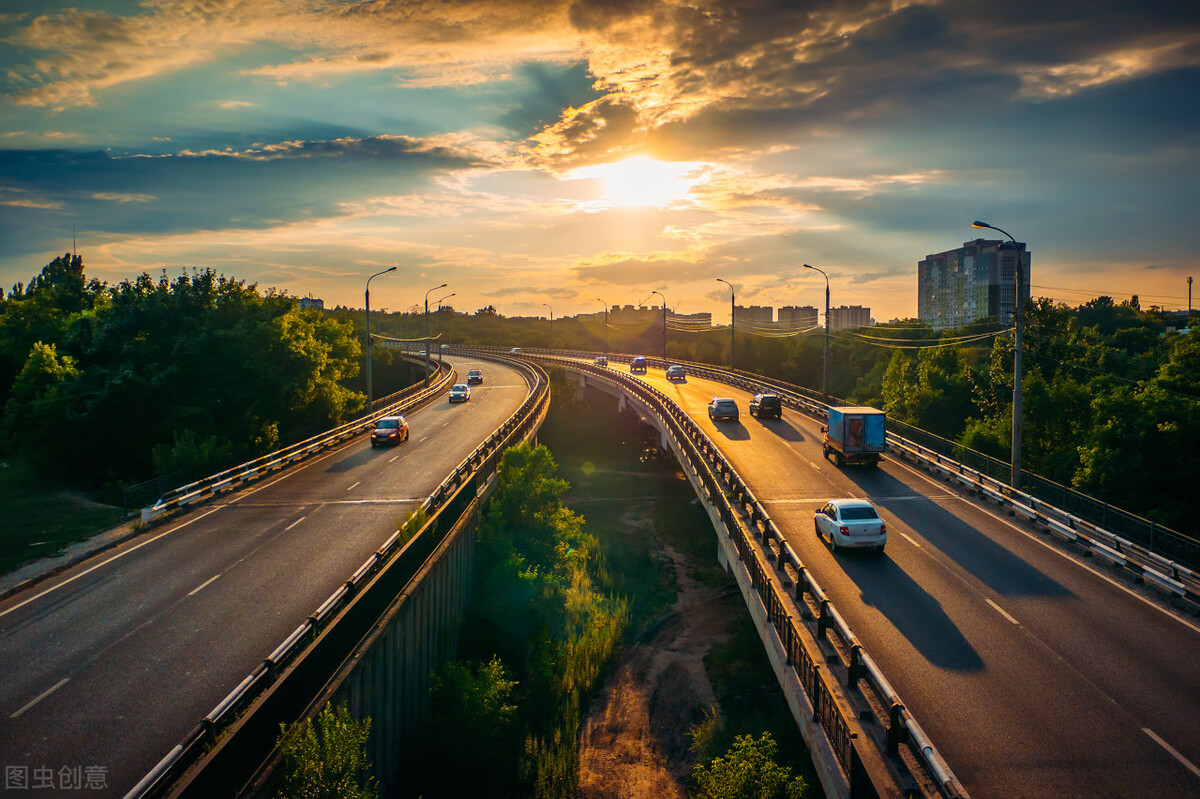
(854, 434)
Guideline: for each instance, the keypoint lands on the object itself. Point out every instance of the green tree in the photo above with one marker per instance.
(747, 771)
(326, 759)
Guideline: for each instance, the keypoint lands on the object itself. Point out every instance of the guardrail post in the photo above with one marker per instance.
(857, 669)
(823, 619)
(897, 733)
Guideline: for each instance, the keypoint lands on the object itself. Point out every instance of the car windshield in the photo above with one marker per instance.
(858, 512)
(387, 424)
(460, 387)
(473, 372)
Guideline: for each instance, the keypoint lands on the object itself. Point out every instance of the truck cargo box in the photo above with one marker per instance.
(855, 434)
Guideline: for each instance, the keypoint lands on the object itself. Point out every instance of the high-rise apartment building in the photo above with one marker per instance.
(847, 316)
(754, 313)
(798, 317)
(975, 281)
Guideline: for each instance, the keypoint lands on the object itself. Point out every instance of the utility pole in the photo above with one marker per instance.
(1018, 315)
(370, 391)
(428, 342)
(732, 325)
(551, 325)
(664, 330)
(825, 359)
(605, 304)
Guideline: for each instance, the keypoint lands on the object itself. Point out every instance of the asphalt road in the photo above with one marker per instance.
(1035, 673)
(108, 665)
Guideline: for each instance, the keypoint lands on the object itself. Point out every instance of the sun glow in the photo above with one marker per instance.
(642, 181)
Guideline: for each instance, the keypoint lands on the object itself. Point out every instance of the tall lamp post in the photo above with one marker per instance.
(732, 323)
(427, 341)
(370, 393)
(441, 324)
(825, 359)
(551, 325)
(605, 304)
(1015, 481)
(664, 299)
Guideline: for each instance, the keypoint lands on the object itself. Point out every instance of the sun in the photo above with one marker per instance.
(642, 181)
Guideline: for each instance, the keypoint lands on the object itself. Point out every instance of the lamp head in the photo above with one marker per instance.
(806, 266)
(393, 269)
(978, 225)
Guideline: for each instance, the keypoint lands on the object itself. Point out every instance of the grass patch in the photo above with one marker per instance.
(39, 520)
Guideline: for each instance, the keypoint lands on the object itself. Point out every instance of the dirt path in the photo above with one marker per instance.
(635, 739)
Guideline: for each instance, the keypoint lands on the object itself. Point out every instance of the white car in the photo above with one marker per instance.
(460, 392)
(850, 523)
(515, 351)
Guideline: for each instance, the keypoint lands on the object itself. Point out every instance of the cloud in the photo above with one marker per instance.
(230, 105)
(123, 198)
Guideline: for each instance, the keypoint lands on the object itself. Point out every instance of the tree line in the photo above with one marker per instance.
(115, 384)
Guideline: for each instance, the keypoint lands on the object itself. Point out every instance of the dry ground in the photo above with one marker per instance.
(635, 740)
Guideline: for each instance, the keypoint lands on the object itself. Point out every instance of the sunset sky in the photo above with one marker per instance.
(560, 152)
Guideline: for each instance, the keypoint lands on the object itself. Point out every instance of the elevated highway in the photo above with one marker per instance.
(1035, 673)
(110, 663)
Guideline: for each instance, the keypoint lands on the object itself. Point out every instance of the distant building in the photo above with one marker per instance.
(798, 317)
(311, 302)
(690, 320)
(848, 316)
(754, 313)
(973, 282)
(633, 314)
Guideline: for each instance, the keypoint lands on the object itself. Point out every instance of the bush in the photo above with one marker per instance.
(747, 771)
(326, 759)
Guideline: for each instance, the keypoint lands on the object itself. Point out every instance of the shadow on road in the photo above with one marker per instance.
(734, 431)
(997, 567)
(782, 428)
(911, 610)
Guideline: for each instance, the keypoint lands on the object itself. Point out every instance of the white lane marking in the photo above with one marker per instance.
(105, 563)
(203, 585)
(1001, 611)
(1053, 549)
(424, 438)
(394, 459)
(911, 540)
(293, 524)
(65, 680)
(1174, 752)
(356, 485)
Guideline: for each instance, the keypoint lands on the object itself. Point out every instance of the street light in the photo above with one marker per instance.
(605, 304)
(1015, 481)
(551, 325)
(441, 324)
(732, 321)
(825, 359)
(427, 342)
(370, 394)
(664, 299)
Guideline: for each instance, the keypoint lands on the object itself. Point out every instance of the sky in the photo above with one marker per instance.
(553, 157)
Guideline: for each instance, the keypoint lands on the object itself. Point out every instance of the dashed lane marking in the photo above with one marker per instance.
(293, 524)
(203, 585)
(1000, 610)
(1172, 750)
(65, 680)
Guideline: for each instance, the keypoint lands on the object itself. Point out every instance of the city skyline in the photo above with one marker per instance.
(597, 150)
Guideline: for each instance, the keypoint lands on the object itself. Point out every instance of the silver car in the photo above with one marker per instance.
(851, 523)
(460, 392)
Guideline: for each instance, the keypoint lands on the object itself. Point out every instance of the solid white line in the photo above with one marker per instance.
(911, 540)
(1174, 752)
(105, 563)
(394, 459)
(1053, 549)
(202, 586)
(1000, 610)
(356, 485)
(65, 680)
(293, 524)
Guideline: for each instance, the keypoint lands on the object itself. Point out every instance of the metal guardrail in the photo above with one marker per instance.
(801, 616)
(232, 478)
(445, 504)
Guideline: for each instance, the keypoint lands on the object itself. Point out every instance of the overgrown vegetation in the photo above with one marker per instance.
(546, 632)
(748, 770)
(326, 758)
